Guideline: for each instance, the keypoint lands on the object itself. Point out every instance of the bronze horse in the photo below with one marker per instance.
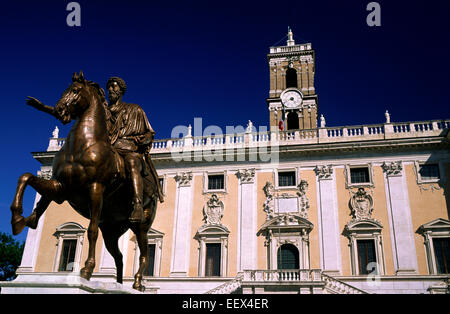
(90, 175)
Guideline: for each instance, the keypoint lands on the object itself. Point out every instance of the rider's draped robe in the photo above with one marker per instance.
(126, 121)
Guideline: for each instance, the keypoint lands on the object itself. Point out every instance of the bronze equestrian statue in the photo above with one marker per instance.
(91, 174)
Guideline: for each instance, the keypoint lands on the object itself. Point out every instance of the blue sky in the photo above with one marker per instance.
(207, 59)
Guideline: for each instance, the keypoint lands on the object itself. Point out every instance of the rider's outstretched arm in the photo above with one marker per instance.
(33, 102)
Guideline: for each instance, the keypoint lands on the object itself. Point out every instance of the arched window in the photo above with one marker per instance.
(291, 78)
(288, 257)
(292, 121)
(70, 237)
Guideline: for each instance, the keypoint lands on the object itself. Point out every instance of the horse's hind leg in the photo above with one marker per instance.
(140, 230)
(111, 237)
(50, 190)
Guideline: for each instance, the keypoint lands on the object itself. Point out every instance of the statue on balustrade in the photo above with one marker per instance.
(103, 170)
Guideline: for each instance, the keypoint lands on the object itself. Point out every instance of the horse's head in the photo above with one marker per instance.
(77, 98)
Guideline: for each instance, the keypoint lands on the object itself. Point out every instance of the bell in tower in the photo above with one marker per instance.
(292, 98)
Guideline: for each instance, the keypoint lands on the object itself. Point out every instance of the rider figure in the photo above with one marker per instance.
(131, 135)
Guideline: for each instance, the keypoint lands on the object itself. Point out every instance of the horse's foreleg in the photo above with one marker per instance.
(96, 200)
(49, 189)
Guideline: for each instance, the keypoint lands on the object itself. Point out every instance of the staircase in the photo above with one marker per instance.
(308, 281)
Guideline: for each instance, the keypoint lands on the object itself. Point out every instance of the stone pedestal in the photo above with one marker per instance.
(60, 283)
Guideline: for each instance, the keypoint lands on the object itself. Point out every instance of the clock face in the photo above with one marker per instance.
(291, 98)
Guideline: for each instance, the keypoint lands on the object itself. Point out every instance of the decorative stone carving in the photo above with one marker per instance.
(269, 204)
(323, 123)
(324, 172)
(300, 201)
(388, 117)
(184, 178)
(361, 204)
(55, 132)
(393, 168)
(303, 199)
(213, 211)
(45, 174)
(246, 175)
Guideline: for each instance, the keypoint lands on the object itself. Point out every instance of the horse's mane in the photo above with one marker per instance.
(99, 90)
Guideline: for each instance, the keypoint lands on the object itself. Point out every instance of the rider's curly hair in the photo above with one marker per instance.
(118, 80)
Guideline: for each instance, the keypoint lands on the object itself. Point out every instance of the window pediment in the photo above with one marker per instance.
(152, 233)
(212, 230)
(286, 222)
(363, 225)
(436, 225)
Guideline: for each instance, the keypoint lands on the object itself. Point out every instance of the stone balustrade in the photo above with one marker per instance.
(286, 49)
(336, 286)
(299, 137)
(294, 137)
(297, 275)
(303, 277)
(228, 287)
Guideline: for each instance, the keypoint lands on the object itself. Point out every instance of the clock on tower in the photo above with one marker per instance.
(292, 97)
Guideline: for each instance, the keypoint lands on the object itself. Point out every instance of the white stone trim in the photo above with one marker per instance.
(400, 224)
(247, 225)
(31, 249)
(328, 223)
(179, 265)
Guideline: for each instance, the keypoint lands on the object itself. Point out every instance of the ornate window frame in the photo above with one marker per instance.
(365, 229)
(206, 175)
(348, 178)
(69, 231)
(213, 231)
(207, 234)
(286, 229)
(438, 228)
(154, 237)
(288, 169)
(420, 181)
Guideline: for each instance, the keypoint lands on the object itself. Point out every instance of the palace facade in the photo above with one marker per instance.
(301, 208)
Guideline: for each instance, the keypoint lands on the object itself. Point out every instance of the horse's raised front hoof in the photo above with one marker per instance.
(18, 223)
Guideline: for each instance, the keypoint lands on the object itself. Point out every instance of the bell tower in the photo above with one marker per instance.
(292, 96)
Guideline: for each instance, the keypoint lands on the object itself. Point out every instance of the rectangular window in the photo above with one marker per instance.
(429, 172)
(67, 255)
(286, 178)
(151, 261)
(442, 254)
(359, 175)
(366, 255)
(216, 182)
(213, 257)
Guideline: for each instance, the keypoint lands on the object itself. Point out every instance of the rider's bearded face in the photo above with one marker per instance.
(114, 92)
